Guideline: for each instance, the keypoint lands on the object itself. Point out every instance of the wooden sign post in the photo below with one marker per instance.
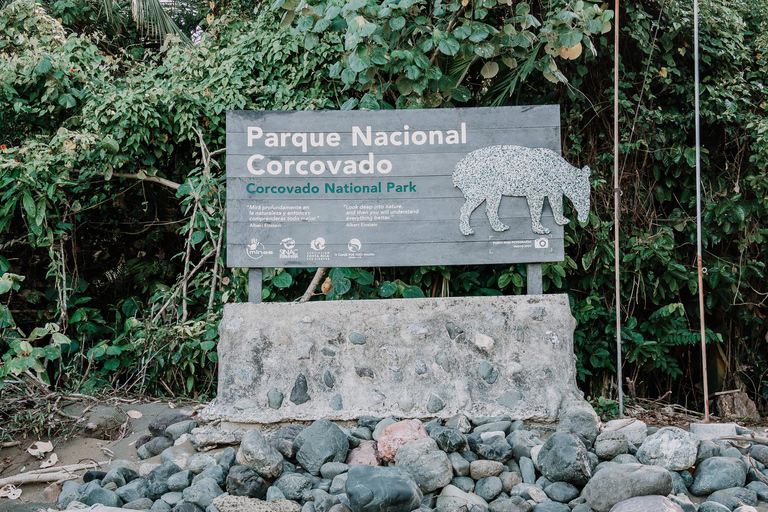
(398, 188)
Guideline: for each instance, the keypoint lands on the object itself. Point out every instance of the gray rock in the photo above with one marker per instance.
(331, 469)
(620, 482)
(299, 393)
(460, 422)
(760, 488)
(369, 422)
(428, 466)
(495, 448)
(583, 507)
(683, 502)
(449, 439)
(178, 454)
(707, 449)
(510, 479)
(759, 452)
(561, 491)
(671, 448)
(339, 483)
(202, 492)
(734, 497)
(133, 490)
(140, 504)
(172, 498)
(529, 492)
(356, 338)
(275, 398)
(215, 472)
(308, 507)
(227, 458)
(161, 506)
(199, 462)
(381, 489)
(362, 433)
(119, 476)
(180, 481)
(176, 430)
(494, 426)
(487, 372)
(157, 480)
(98, 495)
(452, 498)
(274, 494)
(324, 484)
(381, 425)
(563, 458)
(464, 483)
(717, 473)
(711, 506)
(522, 441)
(158, 425)
(143, 452)
(484, 468)
(187, 507)
(459, 464)
(319, 443)
(582, 422)
(283, 439)
(156, 445)
(488, 488)
(435, 404)
(647, 504)
(551, 506)
(610, 444)
(625, 458)
(528, 470)
(256, 452)
(323, 501)
(678, 484)
(294, 485)
(336, 402)
(513, 504)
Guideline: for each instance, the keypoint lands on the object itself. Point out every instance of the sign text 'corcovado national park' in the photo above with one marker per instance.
(398, 187)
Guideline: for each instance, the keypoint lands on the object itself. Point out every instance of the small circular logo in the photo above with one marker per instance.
(254, 250)
(354, 245)
(318, 244)
(288, 243)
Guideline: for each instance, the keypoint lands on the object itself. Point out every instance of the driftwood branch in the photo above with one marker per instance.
(151, 179)
(749, 438)
(313, 285)
(52, 474)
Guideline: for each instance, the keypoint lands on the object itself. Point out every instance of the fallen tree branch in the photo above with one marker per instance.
(152, 179)
(27, 478)
(751, 438)
(313, 285)
(10, 444)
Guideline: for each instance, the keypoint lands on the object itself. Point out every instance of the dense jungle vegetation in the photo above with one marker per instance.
(112, 191)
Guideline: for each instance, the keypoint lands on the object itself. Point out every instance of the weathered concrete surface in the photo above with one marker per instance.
(410, 358)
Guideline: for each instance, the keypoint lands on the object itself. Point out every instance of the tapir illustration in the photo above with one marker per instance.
(534, 173)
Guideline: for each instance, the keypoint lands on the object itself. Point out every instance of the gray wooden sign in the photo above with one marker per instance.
(398, 187)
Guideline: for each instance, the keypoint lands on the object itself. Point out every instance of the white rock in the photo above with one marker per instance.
(484, 342)
(535, 455)
(672, 448)
(146, 468)
(635, 430)
(452, 497)
(488, 435)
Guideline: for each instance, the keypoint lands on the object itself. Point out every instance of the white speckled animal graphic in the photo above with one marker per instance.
(489, 173)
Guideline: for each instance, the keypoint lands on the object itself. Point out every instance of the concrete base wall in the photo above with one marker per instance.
(410, 358)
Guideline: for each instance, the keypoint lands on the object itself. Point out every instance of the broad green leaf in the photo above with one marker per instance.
(282, 280)
(43, 66)
(489, 70)
(412, 292)
(449, 46)
(397, 23)
(570, 38)
(485, 50)
(387, 289)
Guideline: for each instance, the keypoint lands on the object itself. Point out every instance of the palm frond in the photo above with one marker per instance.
(153, 21)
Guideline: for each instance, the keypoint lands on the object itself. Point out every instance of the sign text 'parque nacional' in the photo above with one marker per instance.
(398, 187)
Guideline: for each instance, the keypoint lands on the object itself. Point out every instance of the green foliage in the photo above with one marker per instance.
(112, 193)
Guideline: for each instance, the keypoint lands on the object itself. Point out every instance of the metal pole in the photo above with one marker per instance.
(616, 196)
(698, 206)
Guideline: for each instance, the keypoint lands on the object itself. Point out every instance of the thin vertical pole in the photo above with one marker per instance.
(616, 197)
(698, 206)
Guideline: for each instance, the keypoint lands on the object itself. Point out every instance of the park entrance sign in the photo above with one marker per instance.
(398, 187)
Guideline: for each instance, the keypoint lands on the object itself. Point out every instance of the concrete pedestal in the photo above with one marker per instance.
(410, 358)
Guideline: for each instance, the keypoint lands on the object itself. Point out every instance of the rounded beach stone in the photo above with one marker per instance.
(646, 504)
(429, 467)
(671, 448)
(381, 489)
(319, 443)
(257, 453)
(396, 435)
(485, 468)
(619, 482)
(610, 444)
(716, 473)
(366, 454)
(564, 458)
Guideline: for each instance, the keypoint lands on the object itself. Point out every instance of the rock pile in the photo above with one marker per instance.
(459, 465)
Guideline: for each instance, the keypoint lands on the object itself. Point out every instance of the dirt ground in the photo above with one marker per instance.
(76, 450)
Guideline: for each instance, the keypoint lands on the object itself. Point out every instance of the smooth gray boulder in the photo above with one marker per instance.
(245, 481)
(717, 473)
(734, 497)
(610, 444)
(564, 458)
(671, 448)
(562, 492)
(294, 485)
(428, 465)
(133, 490)
(381, 489)
(647, 504)
(319, 443)
(580, 421)
(451, 497)
(620, 482)
(202, 492)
